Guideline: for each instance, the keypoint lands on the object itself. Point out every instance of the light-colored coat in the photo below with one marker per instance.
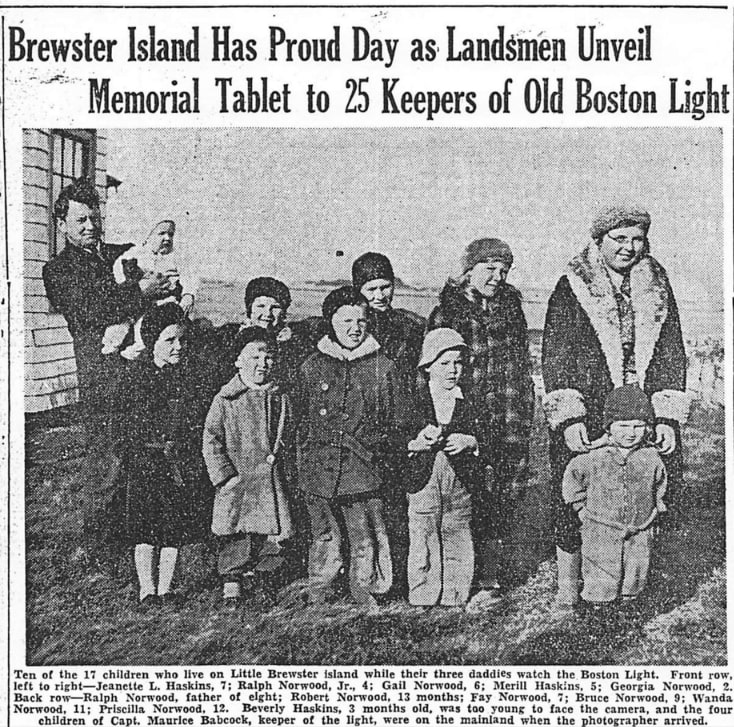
(245, 442)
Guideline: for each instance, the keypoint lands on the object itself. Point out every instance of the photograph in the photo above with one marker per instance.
(374, 396)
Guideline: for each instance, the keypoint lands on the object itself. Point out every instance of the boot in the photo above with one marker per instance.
(569, 571)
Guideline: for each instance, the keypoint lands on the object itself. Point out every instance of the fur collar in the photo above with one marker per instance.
(236, 386)
(332, 349)
(593, 289)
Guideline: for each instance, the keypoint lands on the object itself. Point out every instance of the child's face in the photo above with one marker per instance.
(167, 349)
(161, 239)
(267, 312)
(350, 325)
(628, 433)
(255, 362)
(445, 372)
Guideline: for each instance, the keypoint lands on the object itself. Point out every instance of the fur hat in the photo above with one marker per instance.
(157, 319)
(619, 216)
(250, 335)
(437, 342)
(269, 287)
(627, 403)
(485, 250)
(346, 295)
(371, 266)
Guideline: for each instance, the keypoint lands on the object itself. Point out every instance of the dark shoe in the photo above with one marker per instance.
(232, 604)
(172, 600)
(150, 602)
(270, 563)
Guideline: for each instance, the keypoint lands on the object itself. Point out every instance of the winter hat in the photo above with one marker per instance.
(437, 342)
(250, 335)
(346, 295)
(627, 403)
(619, 216)
(485, 250)
(371, 266)
(269, 287)
(157, 319)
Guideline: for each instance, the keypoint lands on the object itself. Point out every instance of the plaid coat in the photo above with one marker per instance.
(499, 370)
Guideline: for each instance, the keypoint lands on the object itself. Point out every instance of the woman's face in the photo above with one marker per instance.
(486, 277)
(267, 312)
(622, 248)
(168, 347)
(445, 372)
(255, 362)
(350, 325)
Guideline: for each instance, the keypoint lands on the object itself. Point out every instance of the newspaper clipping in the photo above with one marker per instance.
(366, 364)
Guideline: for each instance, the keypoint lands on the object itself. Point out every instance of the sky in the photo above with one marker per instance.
(301, 204)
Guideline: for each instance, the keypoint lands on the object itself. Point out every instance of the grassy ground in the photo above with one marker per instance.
(77, 615)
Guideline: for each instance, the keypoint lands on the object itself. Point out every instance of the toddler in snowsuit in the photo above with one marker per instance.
(618, 492)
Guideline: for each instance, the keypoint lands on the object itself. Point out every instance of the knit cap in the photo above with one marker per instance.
(437, 342)
(619, 216)
(371, 266)
(157, 319)
(269, 287)
(627, 403)
(488, 249)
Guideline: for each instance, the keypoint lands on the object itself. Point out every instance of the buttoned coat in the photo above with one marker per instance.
(247, 442)
(157, 437)
(583, 361)
(354, 420)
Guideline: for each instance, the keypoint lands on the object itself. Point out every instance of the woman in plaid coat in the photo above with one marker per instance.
(487, 312)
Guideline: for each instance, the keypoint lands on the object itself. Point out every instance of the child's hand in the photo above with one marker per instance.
(458, 443)
(425, 440)
(187, 303)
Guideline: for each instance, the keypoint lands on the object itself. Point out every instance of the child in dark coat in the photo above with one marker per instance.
(354, 413)
(448, 462)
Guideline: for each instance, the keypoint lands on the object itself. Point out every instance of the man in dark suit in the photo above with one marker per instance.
(80, 285)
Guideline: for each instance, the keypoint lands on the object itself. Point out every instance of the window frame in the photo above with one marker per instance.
(88, 140)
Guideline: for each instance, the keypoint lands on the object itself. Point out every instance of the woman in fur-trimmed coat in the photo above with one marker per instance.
(487, 312)
(612, 320)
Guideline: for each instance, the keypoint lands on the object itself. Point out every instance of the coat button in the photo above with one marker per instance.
(324, 386)
(322, 412)
(270, 459)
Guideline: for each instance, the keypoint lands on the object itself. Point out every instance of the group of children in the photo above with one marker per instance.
(359, 431)
(346, 428)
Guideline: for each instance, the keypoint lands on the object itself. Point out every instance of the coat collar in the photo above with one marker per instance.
(236, 387)
(593, 289)
(331, 348)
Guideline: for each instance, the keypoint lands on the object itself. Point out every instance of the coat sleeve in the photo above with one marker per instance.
(665, 381)
(218, 464)
(563, 402)
(88, 302)
(575, 483)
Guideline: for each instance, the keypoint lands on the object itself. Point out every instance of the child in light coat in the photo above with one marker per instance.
(447, 465)
(248, 434)
(617, 491)
(155, 257)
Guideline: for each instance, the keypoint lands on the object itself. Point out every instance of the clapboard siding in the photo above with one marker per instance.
(50, 367)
